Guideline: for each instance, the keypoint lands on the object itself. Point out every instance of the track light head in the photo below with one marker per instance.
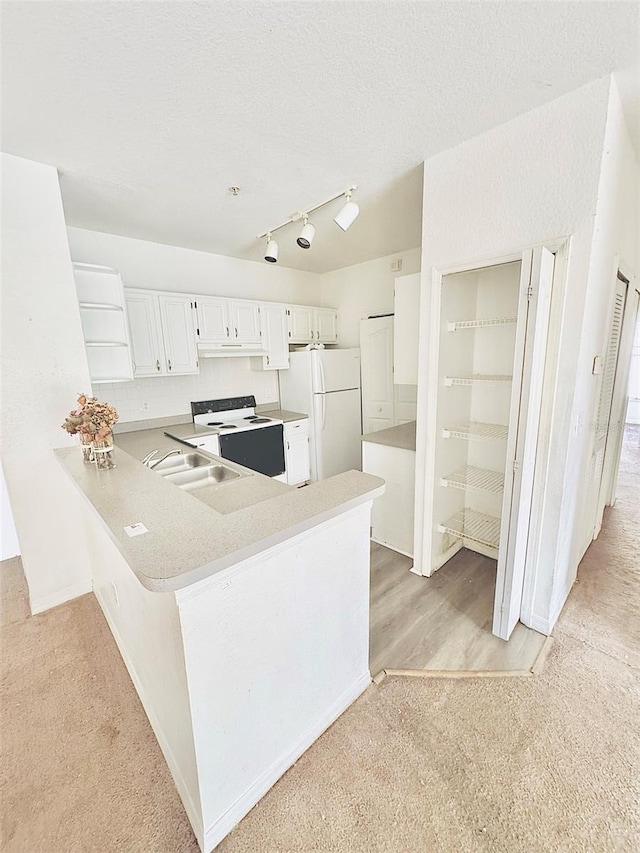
(307, 234)
(348, 215)
(271, 253)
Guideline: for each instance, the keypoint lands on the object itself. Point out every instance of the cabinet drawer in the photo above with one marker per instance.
(296, 428)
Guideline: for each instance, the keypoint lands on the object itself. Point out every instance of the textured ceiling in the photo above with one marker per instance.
(152, 110)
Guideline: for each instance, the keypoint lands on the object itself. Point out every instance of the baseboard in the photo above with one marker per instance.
(540, 624)
(226, 822)
(193, 813)
(39, 605)
(391, 547)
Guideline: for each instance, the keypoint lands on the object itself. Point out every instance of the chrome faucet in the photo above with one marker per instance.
(150, 462)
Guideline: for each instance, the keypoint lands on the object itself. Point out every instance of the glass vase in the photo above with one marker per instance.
(86, 446)
(103, 452)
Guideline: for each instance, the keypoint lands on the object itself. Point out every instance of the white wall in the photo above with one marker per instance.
(530, 180)
(616, 233)
(44, 367)
(364, 289)
(9, 545)
(161, 267)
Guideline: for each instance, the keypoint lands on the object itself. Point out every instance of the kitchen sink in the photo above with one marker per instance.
(197, 478)
(192, 471)
(181, 462)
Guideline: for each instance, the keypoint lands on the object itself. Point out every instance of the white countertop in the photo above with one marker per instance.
(193, 537)
(402, 436)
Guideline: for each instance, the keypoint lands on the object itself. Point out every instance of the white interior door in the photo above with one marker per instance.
(528, 375)
(376, 354)
(604, 425)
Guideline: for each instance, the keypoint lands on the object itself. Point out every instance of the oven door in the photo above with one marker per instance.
(261, 449)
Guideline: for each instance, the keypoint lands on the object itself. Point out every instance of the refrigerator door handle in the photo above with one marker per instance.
(323, 411)
(322, 382)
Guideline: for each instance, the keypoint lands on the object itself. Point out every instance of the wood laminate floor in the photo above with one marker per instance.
(442, 622)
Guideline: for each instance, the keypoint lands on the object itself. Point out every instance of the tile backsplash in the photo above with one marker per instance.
(165, 396)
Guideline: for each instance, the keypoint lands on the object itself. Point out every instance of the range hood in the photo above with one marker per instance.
(230, 350)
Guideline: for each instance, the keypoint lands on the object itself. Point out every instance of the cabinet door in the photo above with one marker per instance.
(406, 329)
(301, 328)
(297, 459)
(326, 325)
(245, 321)
(275, 336)
(180, 347)
(144, 329)
(214, 324)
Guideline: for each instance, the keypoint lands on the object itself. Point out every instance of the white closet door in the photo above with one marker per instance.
(528, 375)
(376, 354)
(603, 421)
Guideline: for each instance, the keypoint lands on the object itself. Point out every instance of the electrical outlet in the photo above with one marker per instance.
(144, 407)
(396, 266)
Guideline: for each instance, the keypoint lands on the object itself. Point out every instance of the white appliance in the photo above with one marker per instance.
(231, 429)
(325, 384)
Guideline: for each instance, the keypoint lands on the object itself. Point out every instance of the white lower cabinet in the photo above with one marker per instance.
(296, 452)
(163, 339)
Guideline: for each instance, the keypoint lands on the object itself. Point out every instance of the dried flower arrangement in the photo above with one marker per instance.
(91, 419)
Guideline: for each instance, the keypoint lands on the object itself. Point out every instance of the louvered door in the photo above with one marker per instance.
(603, 419)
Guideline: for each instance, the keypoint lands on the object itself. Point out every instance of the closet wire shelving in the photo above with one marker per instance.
(474, 526)
(482, 379)
(481, 323)
(474, 479)
(477, 431)
(469, 524)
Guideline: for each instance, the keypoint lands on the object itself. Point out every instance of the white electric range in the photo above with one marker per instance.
(231, 429)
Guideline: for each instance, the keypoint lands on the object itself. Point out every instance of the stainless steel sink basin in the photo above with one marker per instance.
(181, 462)
(191, 471)
(197, 478)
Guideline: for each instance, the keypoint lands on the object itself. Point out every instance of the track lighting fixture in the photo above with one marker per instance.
(345, 219)
(271, 253)
(307, 234)
(348, 214)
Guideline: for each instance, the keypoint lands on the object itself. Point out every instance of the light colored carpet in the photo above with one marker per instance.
(548, 763)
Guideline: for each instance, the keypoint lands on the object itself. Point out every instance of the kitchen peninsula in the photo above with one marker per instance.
(241, 613)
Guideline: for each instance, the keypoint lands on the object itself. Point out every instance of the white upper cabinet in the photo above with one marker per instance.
(308, 325)
(301, 329)
(178, 332)
(326, 325)
(214, 324)
(162, 330)
(244, 319)
(146, 338)
(275, 337)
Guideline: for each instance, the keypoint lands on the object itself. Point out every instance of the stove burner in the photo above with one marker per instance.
(214, 423)
(227, 426)
(261, 420)
(250, 418)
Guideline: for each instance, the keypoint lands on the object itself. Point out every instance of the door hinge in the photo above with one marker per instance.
(530, 293)
(516, 466)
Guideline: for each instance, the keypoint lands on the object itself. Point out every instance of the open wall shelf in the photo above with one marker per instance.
(474, 526)
(100, 306)
(477, 431)
(473, 479)
(481, 323)
(480, 379)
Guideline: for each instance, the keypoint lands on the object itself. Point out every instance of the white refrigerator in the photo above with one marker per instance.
(325, 384)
